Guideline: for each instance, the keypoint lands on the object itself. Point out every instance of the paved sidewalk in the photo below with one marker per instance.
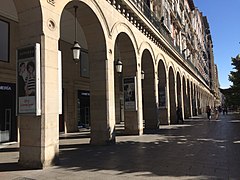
(197, 149)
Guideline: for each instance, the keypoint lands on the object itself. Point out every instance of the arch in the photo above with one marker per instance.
(172, 95)
(179, 89)
(125, 99)
(171, 66)
(24, 9)
(148, 91)
(194, 100)
(185, 97)
(146, 46)
(162, 92)
(94, 58)
(189, 113)
(179, 98)
(120, 27)
(160, 57)
(93, 5)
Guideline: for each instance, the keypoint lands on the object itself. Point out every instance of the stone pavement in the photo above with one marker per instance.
(197, 149)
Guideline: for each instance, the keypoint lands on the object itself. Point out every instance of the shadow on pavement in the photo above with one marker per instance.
(196, 148)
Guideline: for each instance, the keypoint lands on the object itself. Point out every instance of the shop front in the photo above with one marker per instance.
(8, 122)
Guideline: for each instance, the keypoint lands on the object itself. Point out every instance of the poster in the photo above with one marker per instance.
(129, 86)
(27, 78)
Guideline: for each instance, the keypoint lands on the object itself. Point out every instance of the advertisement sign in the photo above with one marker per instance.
(129, 86)
(28, 80)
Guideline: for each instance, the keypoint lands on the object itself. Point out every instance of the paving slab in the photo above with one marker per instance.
(197, 149)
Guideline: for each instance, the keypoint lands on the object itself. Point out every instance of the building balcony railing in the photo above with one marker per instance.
(159, 25)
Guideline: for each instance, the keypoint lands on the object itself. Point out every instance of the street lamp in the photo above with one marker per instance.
(119, 66)
(142, 74)
(76, 47)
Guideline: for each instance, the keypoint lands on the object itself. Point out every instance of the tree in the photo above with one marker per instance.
(234, 77)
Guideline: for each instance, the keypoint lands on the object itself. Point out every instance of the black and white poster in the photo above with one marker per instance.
(129, 85)
(28, 79)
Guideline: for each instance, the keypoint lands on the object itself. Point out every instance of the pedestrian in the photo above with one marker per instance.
(226, 110)
(216, 113)
(208, 111)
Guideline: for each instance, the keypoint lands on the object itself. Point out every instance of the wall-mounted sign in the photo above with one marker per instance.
(5, 88)
(129, 86)
(28, 80)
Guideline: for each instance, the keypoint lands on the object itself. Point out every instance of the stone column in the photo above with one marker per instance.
(168, 105)
(39, 136)
(139, 101)
(70, 105)
(134, 119)
(102, 98)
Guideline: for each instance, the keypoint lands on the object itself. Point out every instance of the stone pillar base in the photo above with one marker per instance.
(163, 116)
(30, 157)
(102, 138)
(38, 164)
(133, 132)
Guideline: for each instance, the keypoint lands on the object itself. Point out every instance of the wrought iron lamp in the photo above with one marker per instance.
(119, 66)
(76, 47)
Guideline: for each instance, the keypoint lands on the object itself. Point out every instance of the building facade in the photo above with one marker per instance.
(43, 91)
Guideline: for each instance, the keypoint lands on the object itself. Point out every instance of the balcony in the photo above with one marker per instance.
(142, 7)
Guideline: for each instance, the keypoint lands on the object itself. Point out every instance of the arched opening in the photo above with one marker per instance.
(148, 93)
(84, 84)
(200, 101)
(188, 99)
(162, 94)
(185, 97)
(179, 109)
(179, 91)
(125, 85)
(194, 107)
(172, 96)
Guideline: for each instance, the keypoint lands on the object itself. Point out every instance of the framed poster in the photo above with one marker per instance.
(129, 86)
(28, 80)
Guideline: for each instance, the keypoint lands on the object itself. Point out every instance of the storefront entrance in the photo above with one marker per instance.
(8, 125)
(83, 109)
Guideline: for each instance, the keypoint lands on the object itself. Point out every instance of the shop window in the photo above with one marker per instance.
(4, 41)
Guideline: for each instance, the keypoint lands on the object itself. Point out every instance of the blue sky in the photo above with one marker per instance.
(224, 20)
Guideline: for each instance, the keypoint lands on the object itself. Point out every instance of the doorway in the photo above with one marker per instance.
(8, 124)
(83, 109)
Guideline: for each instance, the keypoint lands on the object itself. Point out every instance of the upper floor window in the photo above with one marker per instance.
(167, 20)
(4, 41)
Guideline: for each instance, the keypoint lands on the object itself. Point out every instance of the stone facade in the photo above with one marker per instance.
(165, 39)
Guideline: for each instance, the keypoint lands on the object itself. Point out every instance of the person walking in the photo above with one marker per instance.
(216, 113)
(208, 110)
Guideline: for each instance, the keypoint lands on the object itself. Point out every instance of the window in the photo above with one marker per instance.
(4, 41)
(84, 64)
